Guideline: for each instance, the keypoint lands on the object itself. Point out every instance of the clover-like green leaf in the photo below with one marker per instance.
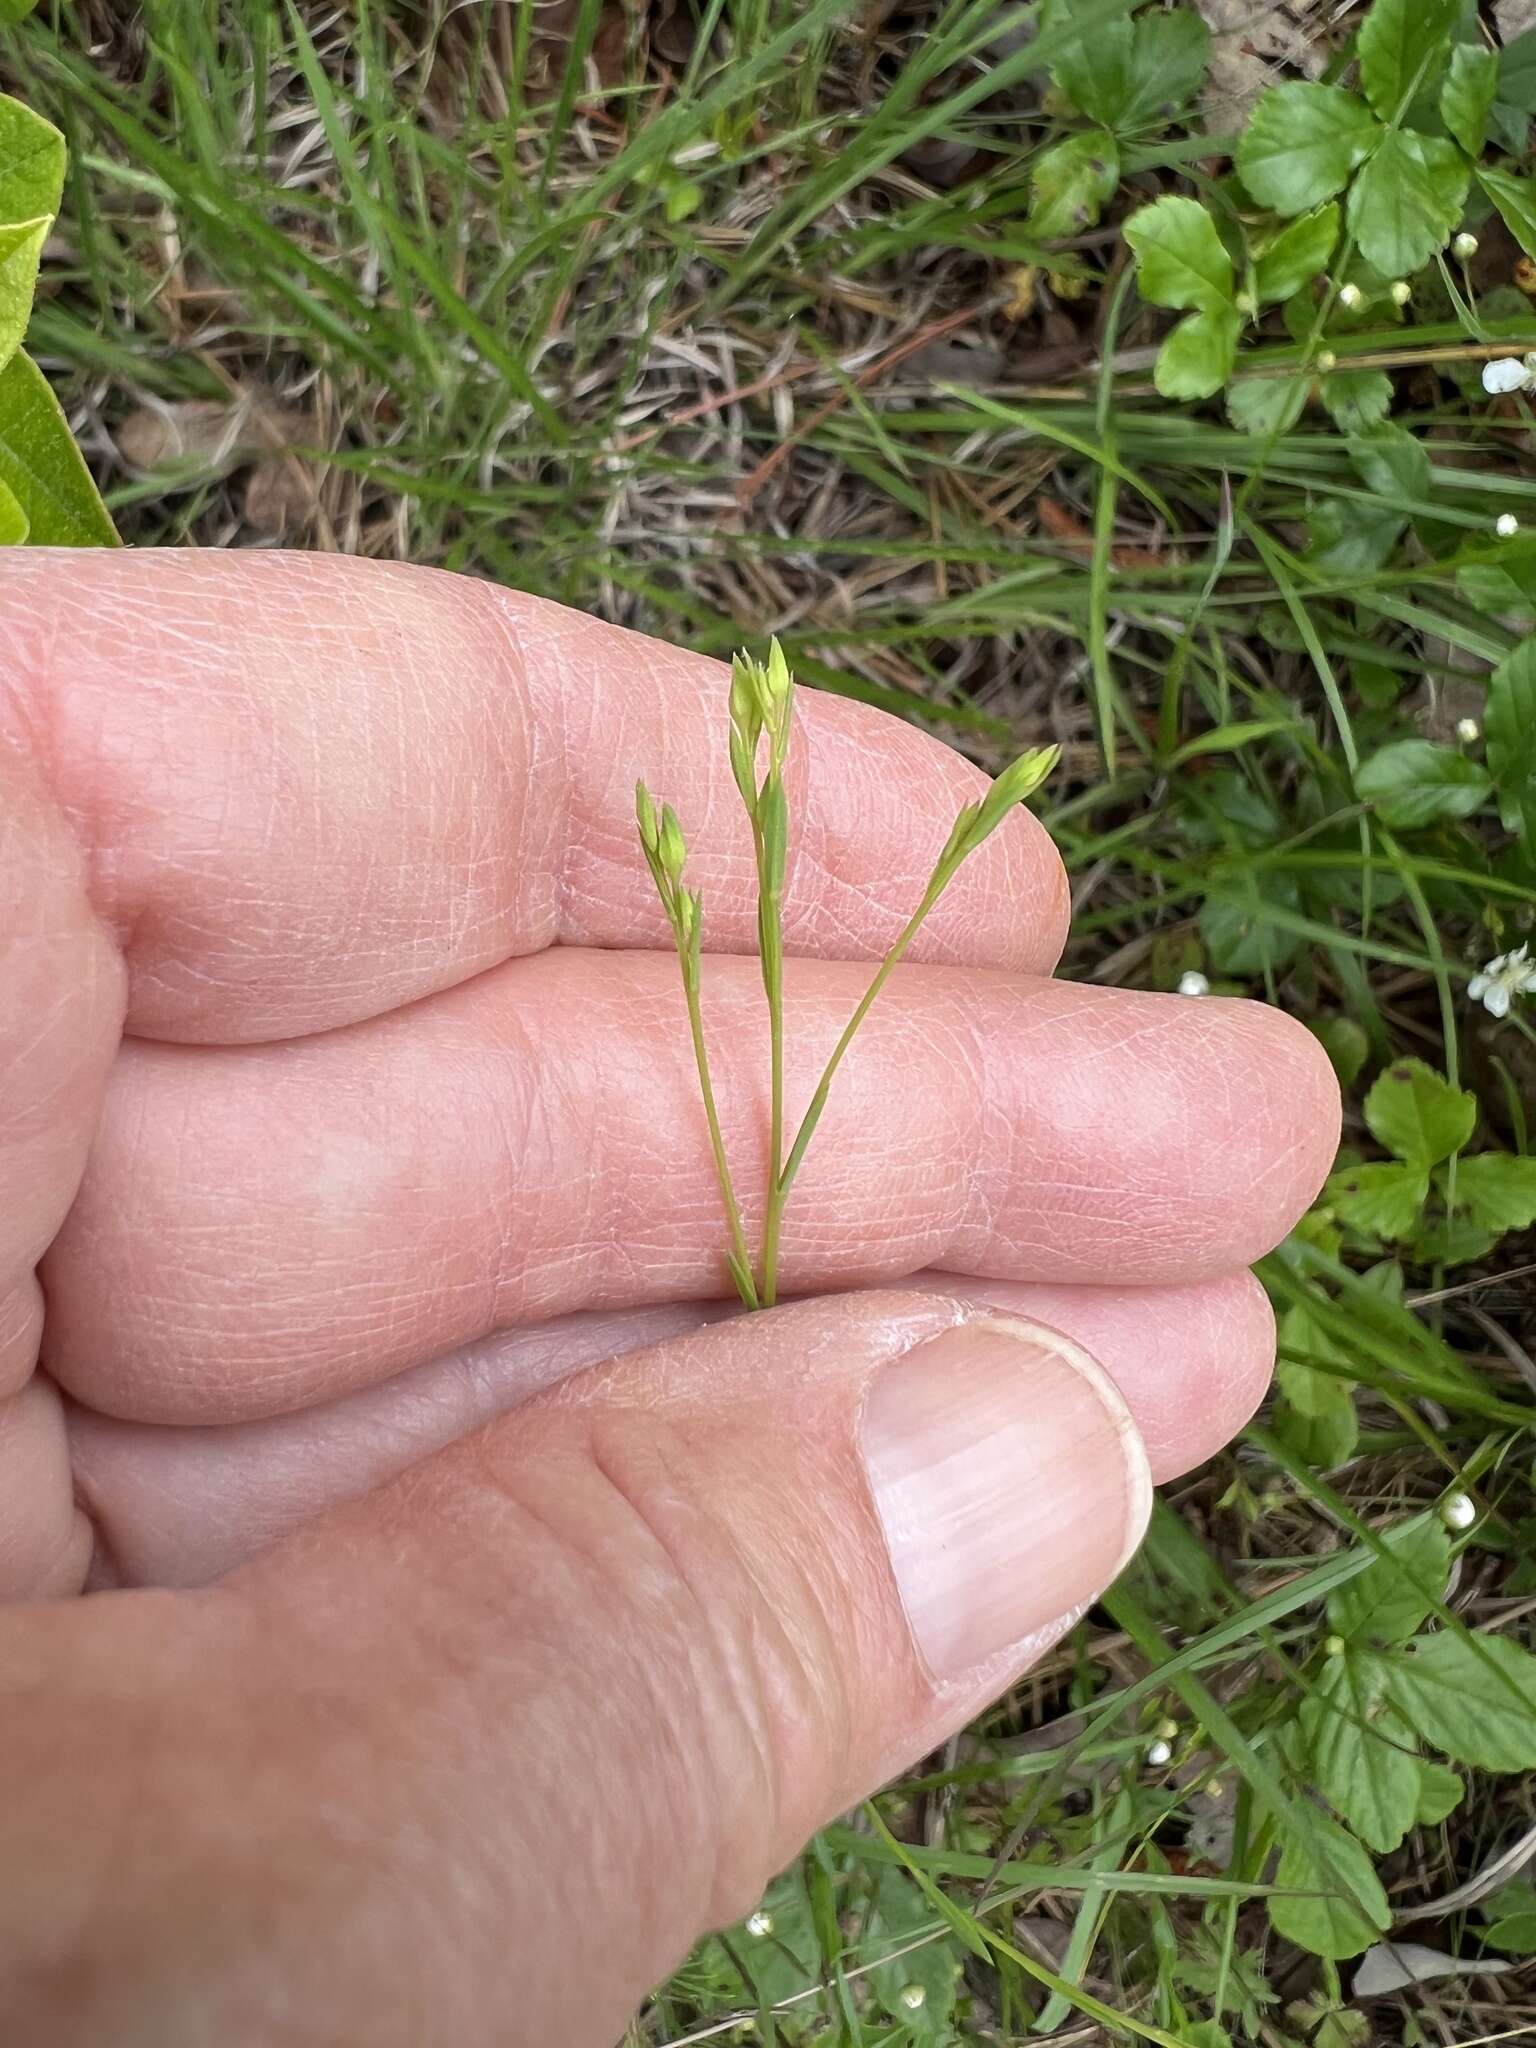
(1384, 1200)
(1406, 202)
(1497, 1190)
(1416, 1113)
(1071, 183)
(41, 466)
(1410, 783)
(1179, 255)
(1199, 355)
(1302, 143)
(1509, 723)
(1467, 97)
(1297, 254)
(1401, 44)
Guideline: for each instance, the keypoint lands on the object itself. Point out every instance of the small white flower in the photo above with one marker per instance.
(1468, 730)
(1511, 974)
(1159, 1753)
(760, 1924)
(1402, 292)
(1351, 298)
(1457, 1511)
(1193, 984)
(1505, 374)
(1506, 526)
(1464, 248)
(913, 1997)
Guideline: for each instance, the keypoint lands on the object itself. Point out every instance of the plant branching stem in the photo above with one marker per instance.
(742, 1265)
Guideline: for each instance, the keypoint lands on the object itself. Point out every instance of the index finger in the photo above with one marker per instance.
(311, 789)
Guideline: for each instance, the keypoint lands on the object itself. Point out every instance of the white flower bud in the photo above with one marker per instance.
(1468, 730)
(1159, 1753)
(759, 1924)
(912, 1996)
(1193, 984)
(1351, 298)
(1168, 1731)
(1334, 1646)
(1506, 526)
(1505, 374)
(1457, 1511)
(1464, 248)
(1402, 292)
(1327, 360)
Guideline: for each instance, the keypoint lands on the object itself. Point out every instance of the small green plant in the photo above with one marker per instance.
(46, 492)
(1360, 185)
(761, 714)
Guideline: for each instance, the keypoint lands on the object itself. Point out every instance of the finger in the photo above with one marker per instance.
(180, 1507)
(61, 999)
(675, 1615)
(313, 788)
(263, 1228)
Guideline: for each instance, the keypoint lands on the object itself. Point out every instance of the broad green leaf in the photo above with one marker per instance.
(1384, 1201)
(1414, 782)
(13, 521)
(1266, 405)
(1416, 1113)
(1326, 1431)
(1346, 1045)
(1321, 1857)
(785, 1957)
(1169, 54)
(20, 249)
(1352, 540)
(1509, 725)
(41, 466)
(1303, 1338)
(1385, 1604)
(1516, 200)
(1440, 1792)
(31, 163)
(1497, 1190)
(1406, 202)
(1394, 463)
(1297, 254)
(1370, 1780)
(1239, 936)
(1198, 357)
(1302, 143)
(1506, 582)
(1401, 43)
(1515, 100)
(1467, 97)
(902, 1912)
(12, 11)
(1094, 71)
(1072, 182)
(1474, 1698)
(1179, 256)
(1356, 398)
(1512, 1917)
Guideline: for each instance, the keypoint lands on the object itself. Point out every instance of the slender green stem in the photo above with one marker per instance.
(741, 1267)
(936, 887)
(770, 940)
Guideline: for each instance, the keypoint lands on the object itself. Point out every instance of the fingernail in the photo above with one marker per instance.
(1010, 1481)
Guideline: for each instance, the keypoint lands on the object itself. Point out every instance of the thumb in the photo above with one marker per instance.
(604, 1666)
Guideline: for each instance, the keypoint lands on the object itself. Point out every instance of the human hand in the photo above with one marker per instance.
(404, 1131)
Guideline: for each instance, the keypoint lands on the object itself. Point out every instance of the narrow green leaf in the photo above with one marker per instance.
(1472, 1697)
(1516, 200)
(13, 521)
(20, 249)
(1468, 94)
(1302, 143)
(41, 466)
(1297, 254)
(1199, 356)
(1416, 1113)
(1394, 1594)
(1405, 204)
(1071, 183)
(1401, 44)
(1382, 1200)
(1411, 783)
(1369, 1780)
(1179, 256)
(1509, 724)
(31, 163)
